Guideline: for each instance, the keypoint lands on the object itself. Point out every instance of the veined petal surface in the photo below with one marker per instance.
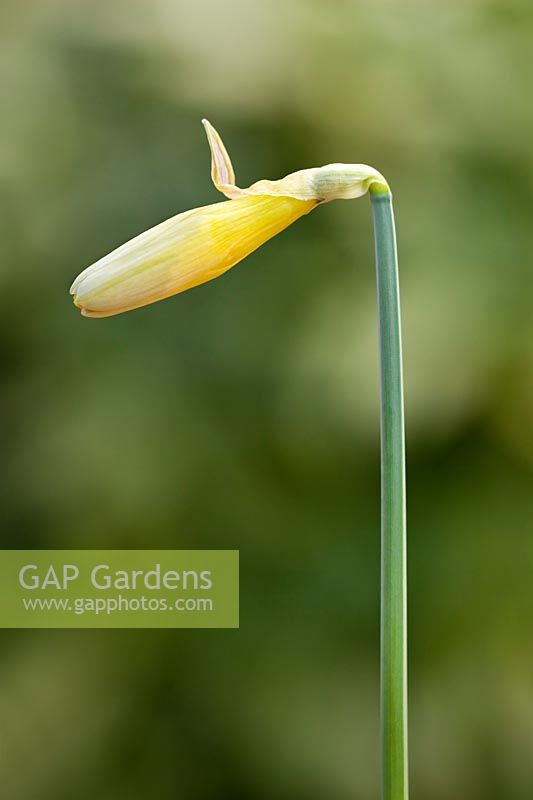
(185, 251)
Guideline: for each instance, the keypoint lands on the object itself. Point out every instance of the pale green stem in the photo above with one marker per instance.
(394, 774)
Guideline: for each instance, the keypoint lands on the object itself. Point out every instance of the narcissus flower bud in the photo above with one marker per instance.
(198, 245)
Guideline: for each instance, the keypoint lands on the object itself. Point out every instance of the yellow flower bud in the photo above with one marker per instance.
(196, 246)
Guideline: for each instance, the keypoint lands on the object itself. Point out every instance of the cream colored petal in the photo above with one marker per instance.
(332, 182)
(183, 252)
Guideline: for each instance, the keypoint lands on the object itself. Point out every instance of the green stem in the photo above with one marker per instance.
(393, 526)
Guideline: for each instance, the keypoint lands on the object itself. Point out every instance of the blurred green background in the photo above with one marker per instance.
(244, 413)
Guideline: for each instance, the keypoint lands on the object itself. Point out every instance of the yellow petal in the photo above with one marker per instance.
(183, 252)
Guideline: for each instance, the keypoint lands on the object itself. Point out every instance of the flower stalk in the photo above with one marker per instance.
(198, 245)
(394, 768)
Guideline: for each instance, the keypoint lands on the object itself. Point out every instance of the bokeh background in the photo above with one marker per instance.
(243, 414)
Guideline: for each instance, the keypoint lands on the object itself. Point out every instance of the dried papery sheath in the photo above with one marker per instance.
(322, 184)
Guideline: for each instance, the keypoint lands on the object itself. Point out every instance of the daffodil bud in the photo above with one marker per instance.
(196, 246)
